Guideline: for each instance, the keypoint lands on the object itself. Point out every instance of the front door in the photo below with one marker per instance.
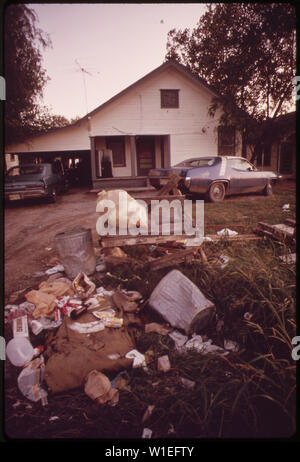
(145, 152)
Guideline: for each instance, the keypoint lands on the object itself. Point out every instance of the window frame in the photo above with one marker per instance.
(165, 93)
(121, 140)
(226, 149)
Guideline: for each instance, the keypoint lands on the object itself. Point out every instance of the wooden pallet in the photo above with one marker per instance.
(282, 232)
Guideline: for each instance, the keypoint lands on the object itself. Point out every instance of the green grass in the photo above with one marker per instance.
(244, 212)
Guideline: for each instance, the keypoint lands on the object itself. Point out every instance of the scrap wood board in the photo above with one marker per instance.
(178, 256)
(280, 232)
(120, 241)
(148, 199)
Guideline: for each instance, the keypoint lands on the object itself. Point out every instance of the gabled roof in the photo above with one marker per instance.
(170, 64)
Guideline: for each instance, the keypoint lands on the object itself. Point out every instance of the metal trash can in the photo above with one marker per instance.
(76, 251)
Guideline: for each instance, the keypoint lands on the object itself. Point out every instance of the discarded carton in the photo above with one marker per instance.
(123, 302)
(98, 387)
(20, 327)
(179, 301)
(158, 328)
(163, 363)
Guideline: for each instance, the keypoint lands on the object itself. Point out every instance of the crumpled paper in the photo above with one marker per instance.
(227, 232)
(138, 358)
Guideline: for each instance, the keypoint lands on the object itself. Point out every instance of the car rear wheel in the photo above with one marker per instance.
(268, 191)
(216, 192)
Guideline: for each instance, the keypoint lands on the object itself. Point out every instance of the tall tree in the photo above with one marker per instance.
(25, 76)
(246, 51)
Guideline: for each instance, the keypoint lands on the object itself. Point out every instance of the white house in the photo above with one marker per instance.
(158, 121)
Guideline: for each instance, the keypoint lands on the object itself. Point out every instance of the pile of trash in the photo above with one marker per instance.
(70, 333)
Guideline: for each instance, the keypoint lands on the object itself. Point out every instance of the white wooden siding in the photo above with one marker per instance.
(74, 138)
(138, 112)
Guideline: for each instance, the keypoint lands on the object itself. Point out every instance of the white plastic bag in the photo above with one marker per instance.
(30, 379)
(227, 232)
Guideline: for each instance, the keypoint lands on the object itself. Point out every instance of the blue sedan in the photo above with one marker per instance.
(216, 176)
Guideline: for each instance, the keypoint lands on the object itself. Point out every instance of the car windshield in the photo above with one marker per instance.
(205, 162)
(25, 170)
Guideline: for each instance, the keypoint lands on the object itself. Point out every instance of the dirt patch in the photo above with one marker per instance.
(30, 228)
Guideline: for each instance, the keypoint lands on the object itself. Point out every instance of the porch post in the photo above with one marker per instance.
(168, 151)
(133, 155)
(93, 158)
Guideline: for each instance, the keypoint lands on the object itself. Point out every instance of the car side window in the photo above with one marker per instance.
(240, 164)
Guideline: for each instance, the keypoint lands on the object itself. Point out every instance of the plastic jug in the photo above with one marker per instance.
(20, 351)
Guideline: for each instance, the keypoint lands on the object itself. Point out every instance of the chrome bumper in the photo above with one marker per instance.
(19, 195)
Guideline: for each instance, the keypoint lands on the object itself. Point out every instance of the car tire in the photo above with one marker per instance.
(53, 196)
(268, 190)
(216, 192)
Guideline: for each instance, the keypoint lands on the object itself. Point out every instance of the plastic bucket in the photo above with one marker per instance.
(76, 251)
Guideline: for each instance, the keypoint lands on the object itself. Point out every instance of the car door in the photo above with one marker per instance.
(233, 173)
(250, 179)
(246, 177)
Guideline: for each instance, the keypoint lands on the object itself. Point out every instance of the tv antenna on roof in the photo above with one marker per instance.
(84, 71)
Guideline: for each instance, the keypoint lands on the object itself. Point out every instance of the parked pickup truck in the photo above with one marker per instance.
(44, 180)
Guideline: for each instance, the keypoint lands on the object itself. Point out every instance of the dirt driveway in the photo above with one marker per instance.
(30, 229)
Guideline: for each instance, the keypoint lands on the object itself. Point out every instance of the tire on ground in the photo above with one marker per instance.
(216, 192)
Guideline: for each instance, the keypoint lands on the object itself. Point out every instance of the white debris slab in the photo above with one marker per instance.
(179, 301)
(289, 259)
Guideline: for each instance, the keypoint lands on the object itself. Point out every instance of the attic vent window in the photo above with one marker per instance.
(169, 99)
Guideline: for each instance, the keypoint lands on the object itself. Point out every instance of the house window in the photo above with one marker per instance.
(264, 158)
(226, 141)
(117, 145)
(169, 99)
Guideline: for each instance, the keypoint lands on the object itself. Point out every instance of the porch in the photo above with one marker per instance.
(125, 160)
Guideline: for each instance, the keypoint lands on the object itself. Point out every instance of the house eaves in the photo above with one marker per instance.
(168, 64)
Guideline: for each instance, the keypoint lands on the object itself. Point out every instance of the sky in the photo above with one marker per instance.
(116, 43)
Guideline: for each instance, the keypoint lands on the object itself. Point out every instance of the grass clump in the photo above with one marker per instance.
(250, 393)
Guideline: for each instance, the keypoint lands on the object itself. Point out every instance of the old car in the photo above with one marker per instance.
(216, 176)
(44, 180)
